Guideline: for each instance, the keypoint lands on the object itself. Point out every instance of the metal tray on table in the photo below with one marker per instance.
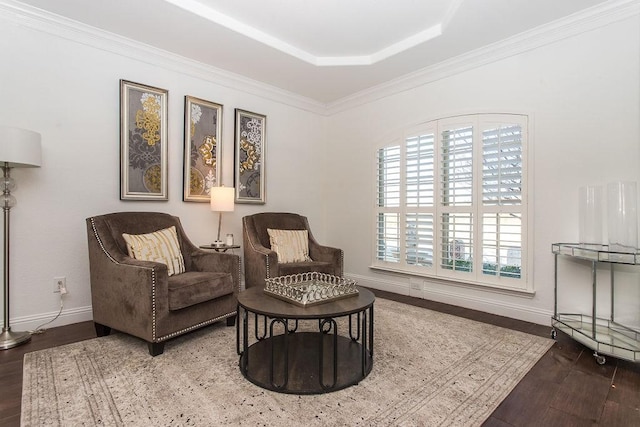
(307, 289)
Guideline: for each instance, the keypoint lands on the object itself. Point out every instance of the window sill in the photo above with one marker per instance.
(489, 287)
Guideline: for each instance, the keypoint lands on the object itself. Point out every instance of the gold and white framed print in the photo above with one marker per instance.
(143, 142)
(202, 148)
(250, 149)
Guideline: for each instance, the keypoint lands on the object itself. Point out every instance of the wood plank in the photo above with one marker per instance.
(526, 402)
(615, 414)
(625, 387)
(556, 418)
(582, 394)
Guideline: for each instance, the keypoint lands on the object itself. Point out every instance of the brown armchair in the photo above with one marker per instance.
(140, 298)
(260, 262)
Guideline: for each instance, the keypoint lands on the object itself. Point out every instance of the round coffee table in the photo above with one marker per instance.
(305, 350)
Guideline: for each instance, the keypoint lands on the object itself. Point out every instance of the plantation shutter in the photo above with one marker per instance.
(502, 196)
(456, 178)
(419, 199)
(388, 198)
(457, 166)
(502, 165)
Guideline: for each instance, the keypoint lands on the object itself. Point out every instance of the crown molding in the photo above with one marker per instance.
(573, 25)
(587, 20)
(49, 23)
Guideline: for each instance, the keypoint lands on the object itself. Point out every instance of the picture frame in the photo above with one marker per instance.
(202, 148)
(250, 150)
(143, 142)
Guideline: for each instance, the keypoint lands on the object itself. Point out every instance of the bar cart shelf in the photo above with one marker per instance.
(603, 336)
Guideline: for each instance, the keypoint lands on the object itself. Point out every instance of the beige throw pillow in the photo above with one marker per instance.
(290, 245)
(159, 246)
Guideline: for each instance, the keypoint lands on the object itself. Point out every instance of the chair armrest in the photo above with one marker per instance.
(217, 262)
(259, 262)
(126, 292)
(328, 254)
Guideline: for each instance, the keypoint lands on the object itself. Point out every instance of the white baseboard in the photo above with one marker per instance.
(67, 317)
(455, 296)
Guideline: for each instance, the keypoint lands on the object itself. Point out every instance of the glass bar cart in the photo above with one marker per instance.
(603, 336)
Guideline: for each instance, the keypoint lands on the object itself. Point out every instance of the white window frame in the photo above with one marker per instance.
(477, 209)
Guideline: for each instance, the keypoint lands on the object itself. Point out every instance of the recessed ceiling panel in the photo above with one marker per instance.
(379, 35)
(337, 27)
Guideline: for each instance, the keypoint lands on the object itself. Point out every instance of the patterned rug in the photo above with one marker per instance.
(429, 369)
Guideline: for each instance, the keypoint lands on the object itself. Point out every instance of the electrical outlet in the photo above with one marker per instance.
(60, 285)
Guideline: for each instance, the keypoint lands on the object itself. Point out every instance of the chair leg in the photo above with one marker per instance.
(101, 330)
(156, 348)
(231, 321)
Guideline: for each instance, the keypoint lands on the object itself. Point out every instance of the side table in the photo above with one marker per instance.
(219, 248)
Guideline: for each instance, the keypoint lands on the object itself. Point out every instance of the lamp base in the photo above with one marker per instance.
(10, 339)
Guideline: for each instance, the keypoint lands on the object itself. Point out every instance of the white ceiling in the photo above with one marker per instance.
(325, 50)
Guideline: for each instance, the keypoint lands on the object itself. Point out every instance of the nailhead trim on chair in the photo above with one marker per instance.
(153, 280)
(153, 304)
(199, 325)
(268, 269)
(95, 233)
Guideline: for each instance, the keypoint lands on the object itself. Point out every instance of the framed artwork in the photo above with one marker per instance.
(143, 142)
(250, 145)
(202, 148)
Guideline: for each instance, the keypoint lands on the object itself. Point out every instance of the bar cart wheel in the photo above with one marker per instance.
(600, 359)
(554, 333)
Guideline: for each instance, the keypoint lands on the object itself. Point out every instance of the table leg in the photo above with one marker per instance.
(285, 352)
(332, 324)
(238, 326)
(370, 332)
(244, 354)
(357, 337)
(364, 345)
(264, 327)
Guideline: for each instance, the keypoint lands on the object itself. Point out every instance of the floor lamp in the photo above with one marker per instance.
(221, 201)
(19, 148)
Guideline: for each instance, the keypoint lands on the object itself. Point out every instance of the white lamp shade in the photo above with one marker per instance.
(222, 199)
(20, 148)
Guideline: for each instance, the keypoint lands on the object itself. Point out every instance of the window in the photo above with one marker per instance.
(451, 201)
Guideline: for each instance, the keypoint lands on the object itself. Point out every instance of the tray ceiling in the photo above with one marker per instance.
(325, 50)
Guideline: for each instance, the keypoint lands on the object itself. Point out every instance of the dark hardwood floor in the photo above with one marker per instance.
(565, 388)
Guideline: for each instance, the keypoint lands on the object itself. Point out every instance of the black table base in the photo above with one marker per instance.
(310, 362)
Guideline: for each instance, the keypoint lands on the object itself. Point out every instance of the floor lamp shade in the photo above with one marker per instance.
(19, 148)
(222, 200)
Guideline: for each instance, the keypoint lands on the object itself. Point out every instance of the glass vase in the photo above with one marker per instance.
(591, 213)
(622, 216)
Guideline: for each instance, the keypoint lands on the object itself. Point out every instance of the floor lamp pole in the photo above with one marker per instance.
(8, 338)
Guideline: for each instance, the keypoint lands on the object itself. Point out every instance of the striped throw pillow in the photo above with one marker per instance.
(159, 246)
(290, 245)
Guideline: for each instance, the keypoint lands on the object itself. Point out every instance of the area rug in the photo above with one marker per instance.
(430, 369)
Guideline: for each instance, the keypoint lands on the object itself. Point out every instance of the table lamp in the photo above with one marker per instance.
(19, 148)
(221, 201)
